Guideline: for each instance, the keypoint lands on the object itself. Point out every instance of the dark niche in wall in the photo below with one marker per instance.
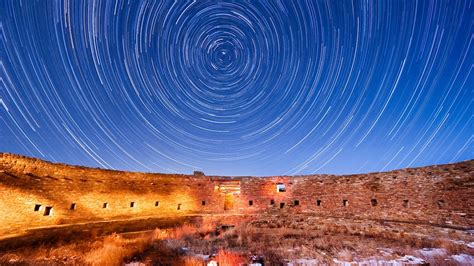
(373, 202)
(48, 211)
(345, 203)
(440, 204)
(405, 203)
(281, 187)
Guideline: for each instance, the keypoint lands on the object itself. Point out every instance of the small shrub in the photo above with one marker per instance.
(345, 255)
(192, 261)
(230, 258)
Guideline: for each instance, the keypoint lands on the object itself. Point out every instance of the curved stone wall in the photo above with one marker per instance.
(35, 193)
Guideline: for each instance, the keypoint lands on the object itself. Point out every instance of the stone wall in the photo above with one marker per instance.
(441, 195)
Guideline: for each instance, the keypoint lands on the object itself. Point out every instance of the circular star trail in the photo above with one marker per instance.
(238, 88)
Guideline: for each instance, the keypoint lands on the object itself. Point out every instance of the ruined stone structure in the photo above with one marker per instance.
(35, 193)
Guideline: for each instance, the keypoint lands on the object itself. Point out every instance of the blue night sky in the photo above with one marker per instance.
(238, 88)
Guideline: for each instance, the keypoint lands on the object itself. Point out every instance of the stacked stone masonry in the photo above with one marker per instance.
(35, 193)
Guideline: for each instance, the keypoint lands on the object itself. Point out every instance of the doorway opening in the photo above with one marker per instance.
(229, 202)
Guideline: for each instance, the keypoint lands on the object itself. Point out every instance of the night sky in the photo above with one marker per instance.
(238, 88)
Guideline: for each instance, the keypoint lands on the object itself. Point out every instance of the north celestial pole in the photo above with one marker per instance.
(238, 87)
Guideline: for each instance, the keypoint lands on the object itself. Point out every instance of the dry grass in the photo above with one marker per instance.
(275, 238)
(345, 255)
(230, 258)
(191, 261)
(114, 249)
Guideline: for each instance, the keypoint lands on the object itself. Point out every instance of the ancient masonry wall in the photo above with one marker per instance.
(35, 193)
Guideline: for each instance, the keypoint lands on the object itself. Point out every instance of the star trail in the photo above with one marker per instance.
(238, 87)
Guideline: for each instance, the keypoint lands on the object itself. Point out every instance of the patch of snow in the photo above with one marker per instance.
(403, 261)
(407, 259)
(365, 262)
(189, 252)
(212, 263)
(374, 262)
(433, 252)
(470, 245)
(464, 259)
(135, 263)
(385, 251)
(341, 263)
(201, 256)
(303, 262)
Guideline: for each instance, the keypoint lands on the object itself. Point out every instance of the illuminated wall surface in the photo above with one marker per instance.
(35, 193)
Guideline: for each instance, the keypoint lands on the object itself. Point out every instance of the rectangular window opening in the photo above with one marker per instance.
(203, 202)
(250, 202)
(37, 207)
(405, 203)
(272, 202)
(48, 211)
(282, 204)
(440, 203)
(132, 204)
(281, 187)
(73, 206)
(373, 202)
(345, 203)
(179, 206)
(105, 205)
(157, 203)
(318, 202)
(296, 202)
